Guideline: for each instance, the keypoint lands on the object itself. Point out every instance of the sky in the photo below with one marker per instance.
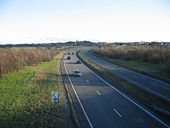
(46, 21)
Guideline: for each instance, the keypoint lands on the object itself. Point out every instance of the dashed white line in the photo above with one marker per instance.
(78, 98)
(150, 114)
(117, 112)
(98, 92)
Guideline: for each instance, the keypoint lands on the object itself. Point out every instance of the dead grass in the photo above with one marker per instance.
(156, 54)
(14, 59)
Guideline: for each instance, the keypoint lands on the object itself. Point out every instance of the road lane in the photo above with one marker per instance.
(100, 109)
(78, 99)
(159, 88)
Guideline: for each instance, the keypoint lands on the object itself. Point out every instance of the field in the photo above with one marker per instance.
(14, 59)
(149, 60)
(25, 97)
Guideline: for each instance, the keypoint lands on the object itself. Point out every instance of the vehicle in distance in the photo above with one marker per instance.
(77, 73)
(72, 53)
(68, 58)
(68, 53)
(78, 62)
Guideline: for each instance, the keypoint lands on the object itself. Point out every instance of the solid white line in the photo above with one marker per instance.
(128, 98)
(87, 81)
(78, 98)
(117, 112)
(98, 92)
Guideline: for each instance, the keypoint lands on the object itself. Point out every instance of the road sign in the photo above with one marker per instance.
(54, 96)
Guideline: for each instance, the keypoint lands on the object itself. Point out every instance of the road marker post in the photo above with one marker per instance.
(54, 96)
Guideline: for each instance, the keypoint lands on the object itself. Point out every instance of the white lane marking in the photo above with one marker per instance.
(87, 81)
(117, 112)
(159, 120)
(98, 92)
(78, 98)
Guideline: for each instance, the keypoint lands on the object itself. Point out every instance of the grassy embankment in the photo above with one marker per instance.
(142, 96)
(25, 97)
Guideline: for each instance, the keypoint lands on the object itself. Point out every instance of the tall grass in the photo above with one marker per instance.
(153, 60)
(155, 55)
(13, 59)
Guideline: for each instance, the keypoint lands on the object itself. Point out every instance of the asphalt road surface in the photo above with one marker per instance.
(100, 105)
(157, 87)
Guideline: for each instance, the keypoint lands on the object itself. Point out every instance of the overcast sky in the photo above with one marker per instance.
(32, 21)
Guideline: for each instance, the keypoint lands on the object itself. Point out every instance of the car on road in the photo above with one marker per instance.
(68, 58)
(68, 53)
(76, 73)
(78, 62)
(72, 53)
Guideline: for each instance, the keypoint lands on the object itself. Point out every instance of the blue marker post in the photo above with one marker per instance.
(54, 96)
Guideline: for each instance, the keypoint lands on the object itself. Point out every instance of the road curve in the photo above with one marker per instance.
(152, 85)
(100, 105)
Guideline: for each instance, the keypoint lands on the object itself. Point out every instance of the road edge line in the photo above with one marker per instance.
(72, 118)
(78, 98)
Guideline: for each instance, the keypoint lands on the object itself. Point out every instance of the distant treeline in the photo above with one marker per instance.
(13, 59)
(70, 43)
(151, 54)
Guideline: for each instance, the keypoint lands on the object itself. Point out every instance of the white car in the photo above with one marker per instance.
(76, 73)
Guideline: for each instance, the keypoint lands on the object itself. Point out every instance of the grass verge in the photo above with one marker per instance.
(147, 99)
(73, 115)
(158, 71)
(25, 97)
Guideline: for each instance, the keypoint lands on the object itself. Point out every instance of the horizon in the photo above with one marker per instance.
(37, 43)
(54, 21)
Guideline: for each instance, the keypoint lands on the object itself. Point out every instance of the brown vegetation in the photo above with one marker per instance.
(156, 54)
(13, 59)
